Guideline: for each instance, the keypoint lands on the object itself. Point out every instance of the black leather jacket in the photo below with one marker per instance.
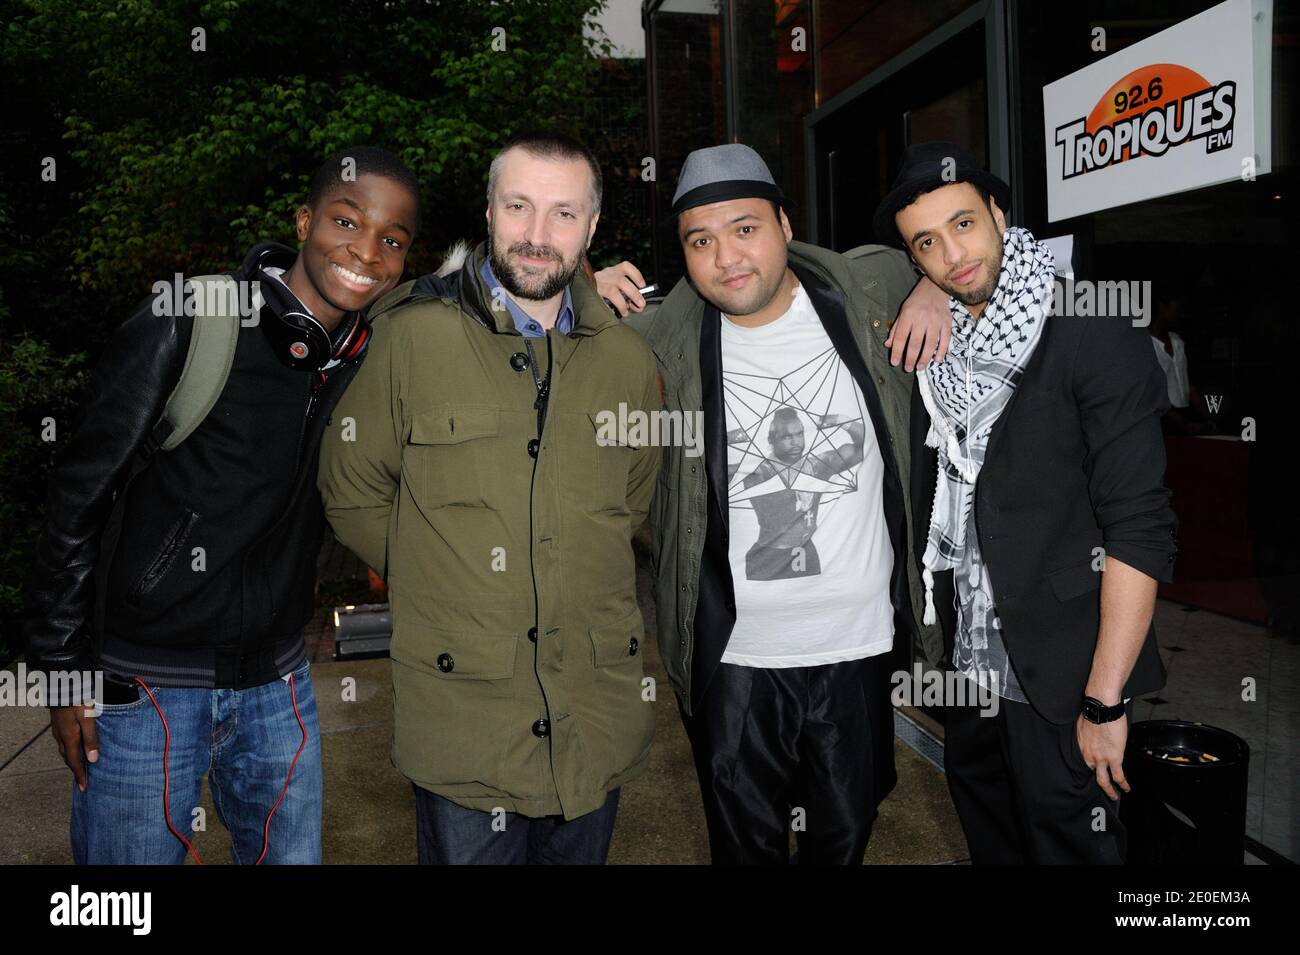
(215, 564)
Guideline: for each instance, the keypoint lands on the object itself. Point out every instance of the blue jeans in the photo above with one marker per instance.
(244, 740)
(449, 834)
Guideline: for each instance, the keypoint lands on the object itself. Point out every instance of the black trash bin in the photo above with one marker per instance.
(1184, 808)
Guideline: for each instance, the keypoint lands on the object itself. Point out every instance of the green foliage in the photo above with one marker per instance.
(34, 383)
(175, 159)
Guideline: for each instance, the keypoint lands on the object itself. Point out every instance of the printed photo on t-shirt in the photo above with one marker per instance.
(795, 447)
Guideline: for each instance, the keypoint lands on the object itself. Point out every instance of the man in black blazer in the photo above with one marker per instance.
(1039, 463)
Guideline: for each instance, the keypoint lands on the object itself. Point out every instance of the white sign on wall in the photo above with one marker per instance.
(1186, 108)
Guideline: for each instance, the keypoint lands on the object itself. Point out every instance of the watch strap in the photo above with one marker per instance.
(1095, 711)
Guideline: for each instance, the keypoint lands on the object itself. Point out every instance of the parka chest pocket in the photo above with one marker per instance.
(595, 461)
(447, 459)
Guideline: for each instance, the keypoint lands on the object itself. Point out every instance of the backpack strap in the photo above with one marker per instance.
(207, 362)
(207, 366)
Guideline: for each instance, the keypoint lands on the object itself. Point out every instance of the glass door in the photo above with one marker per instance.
(940, 96)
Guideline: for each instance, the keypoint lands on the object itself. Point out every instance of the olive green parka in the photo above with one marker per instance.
(516, 649)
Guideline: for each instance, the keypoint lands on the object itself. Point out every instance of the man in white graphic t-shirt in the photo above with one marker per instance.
(783, 558)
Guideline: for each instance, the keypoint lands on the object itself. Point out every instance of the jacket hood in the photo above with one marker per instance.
(274, 254)
(454, 259)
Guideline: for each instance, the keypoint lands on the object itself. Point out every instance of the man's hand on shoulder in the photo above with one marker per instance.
(923, 329)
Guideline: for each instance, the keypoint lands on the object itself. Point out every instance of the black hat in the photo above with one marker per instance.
(928, 166)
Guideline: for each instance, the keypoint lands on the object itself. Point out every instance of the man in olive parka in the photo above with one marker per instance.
(469, 466)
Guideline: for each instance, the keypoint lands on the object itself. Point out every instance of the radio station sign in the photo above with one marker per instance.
(1186, 108)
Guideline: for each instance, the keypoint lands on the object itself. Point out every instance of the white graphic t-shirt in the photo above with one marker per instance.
(809, 548)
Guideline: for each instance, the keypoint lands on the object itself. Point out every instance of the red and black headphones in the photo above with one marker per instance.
(298, 339)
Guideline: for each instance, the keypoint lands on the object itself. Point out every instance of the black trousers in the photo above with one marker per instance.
(1023, 793)
(802, 749)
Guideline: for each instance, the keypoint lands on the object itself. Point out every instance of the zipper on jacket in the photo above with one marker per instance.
(162, 562)
(298, 479)
(543, 400)
(312, 393)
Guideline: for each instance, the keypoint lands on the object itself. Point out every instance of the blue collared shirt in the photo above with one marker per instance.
(525, 323)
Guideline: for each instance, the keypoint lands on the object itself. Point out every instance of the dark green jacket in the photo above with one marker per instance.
(517, 671)
(868, 285)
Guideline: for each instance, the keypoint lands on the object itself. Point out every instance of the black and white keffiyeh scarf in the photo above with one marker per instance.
(966, 392)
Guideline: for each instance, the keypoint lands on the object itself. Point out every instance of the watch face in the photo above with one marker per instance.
(1094, 710)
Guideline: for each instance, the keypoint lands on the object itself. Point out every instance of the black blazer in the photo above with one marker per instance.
(1075, 462)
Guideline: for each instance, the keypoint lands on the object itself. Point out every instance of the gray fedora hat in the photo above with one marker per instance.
(719, 173)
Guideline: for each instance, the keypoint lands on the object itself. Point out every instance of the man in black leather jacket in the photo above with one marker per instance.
(212, 576)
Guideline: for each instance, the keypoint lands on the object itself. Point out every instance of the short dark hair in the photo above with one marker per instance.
(367, 161)
(781, 416)
(550, 145)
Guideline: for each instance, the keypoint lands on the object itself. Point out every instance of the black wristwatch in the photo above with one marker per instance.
(1095, 711)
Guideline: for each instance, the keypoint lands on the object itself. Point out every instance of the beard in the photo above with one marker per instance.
(981, 293)
(532, 285)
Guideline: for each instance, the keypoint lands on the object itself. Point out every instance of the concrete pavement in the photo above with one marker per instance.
(369, 810)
